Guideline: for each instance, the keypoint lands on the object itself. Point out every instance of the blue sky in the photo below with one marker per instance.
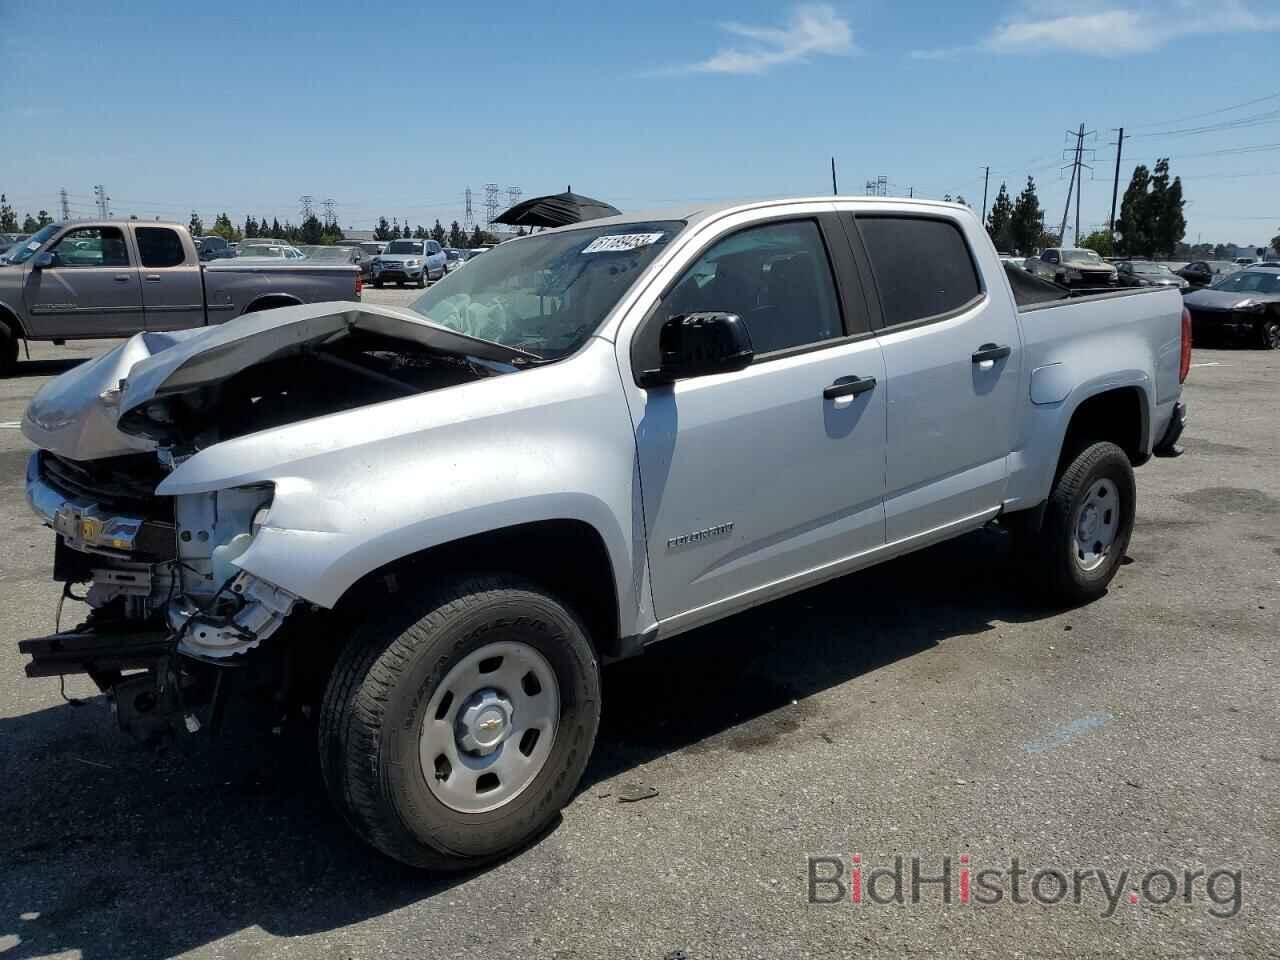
(394, 108)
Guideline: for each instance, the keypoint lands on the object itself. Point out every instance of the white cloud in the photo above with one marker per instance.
(1108, 30)
(812, 29)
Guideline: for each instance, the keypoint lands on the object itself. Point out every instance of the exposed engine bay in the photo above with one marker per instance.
(159, 573)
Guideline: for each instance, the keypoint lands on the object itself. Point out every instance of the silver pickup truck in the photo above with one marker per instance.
(93, 279)
(437, 522)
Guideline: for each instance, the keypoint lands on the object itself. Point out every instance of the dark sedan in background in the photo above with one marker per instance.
(1244, 305)
(1144, 273)
(1205, 273)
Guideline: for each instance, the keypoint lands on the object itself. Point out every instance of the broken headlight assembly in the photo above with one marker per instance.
(221, 609)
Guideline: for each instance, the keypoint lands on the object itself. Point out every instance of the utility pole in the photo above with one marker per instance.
(835, 191)
(911, 192)
(66, 208)
(1075, 165)
(986, 179)
(307, 212)
(1115, 186)
(102, 200)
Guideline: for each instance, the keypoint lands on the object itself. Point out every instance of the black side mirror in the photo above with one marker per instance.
(698, 345)
(43, 261)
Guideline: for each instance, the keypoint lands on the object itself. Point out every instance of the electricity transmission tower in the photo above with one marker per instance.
(307, 212)
(1078, 166)
(330, 217)
(469, 217)
(513, 196)
(879, 187)
(491, 203)
(66, 208)
(102, 201)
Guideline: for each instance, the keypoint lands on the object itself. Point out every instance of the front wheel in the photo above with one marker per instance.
(453, 732)
(1085, 532)
(422, 279)
(378, 284)
(1269, 334)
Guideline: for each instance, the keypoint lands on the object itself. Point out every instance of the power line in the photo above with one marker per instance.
(1208, 113)
(1258, 119)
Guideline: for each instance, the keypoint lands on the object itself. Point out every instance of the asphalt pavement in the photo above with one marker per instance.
(918, 710)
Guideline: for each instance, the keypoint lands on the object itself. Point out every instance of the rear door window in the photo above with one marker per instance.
(922, 265)
(160, 247)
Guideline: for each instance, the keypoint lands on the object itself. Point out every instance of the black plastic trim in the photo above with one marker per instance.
(1168, 445)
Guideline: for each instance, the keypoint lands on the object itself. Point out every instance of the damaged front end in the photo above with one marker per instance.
(158, 576)
(171, 607)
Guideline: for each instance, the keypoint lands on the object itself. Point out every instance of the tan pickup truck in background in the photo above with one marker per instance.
(92, 279)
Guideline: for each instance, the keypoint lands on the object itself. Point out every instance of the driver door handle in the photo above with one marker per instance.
(990, 351)
(152, 277)
(121, 278)
(849, 387)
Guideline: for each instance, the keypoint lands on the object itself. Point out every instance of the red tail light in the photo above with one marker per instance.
(1184, 366)
(360, 289)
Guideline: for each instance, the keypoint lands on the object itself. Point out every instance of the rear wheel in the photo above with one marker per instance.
(1085, 532)
(453, 732)
(1269, 334)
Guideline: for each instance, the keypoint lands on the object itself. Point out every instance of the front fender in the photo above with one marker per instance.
(357, 490)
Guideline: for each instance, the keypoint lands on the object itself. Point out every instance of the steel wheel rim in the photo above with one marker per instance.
(489, 727)
(1096, 525)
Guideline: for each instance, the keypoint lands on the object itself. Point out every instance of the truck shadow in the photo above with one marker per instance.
(45, 368)
(113, 849)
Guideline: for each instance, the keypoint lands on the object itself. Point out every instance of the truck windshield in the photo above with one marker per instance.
(24, 252)
(404, 246)
(546, 294)
(1080, 256)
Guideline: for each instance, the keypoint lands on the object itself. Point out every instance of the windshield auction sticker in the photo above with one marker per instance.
(621, 241)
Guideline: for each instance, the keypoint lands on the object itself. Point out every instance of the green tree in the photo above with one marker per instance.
(43, 219)
(1170, 223)
(1135, 224)
(477, 237)
(196, 226)
(456, 237)
(250, 226)
(1027, 222)
(276, 232)
(1275, 244)
(383, 230)
(1000, 220)
(9, 219)
(223, 227)
(311, 230)
(30, 224)
(437, 233)
(1100, 242)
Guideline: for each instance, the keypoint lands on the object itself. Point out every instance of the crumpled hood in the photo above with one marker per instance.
(75, 414)
(79, 415)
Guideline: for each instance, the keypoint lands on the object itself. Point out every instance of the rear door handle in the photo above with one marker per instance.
(989, 351)
(152, 278)
(849, 387)
(121, 278)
